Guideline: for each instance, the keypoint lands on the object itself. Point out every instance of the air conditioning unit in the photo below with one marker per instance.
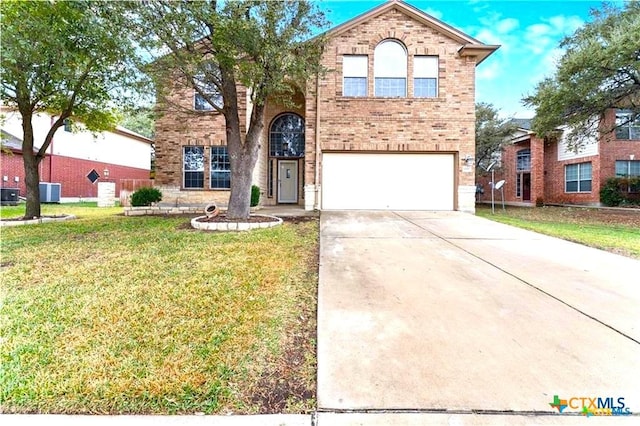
(9, 196)
(49, 192)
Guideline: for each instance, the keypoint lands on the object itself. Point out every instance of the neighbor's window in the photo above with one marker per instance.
(208, 93)
(193, 167)
(354, 71)
(220, 168)
(425, 76)
(628, 127)
(577, 177)
(629, 168)
(390, 69)
(67, 125)
(523, 160)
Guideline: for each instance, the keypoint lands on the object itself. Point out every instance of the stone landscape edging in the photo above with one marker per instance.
(234, 226)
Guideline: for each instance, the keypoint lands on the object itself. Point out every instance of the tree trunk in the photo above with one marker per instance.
(31, 162)
(243, 158)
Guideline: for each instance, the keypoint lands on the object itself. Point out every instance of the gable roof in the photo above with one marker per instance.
(470, 46)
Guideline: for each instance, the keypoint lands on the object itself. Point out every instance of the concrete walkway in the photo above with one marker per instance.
(431, 312)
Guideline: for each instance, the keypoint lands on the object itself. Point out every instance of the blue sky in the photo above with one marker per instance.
(528, 31)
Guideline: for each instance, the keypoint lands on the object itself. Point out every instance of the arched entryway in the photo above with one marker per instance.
(286, 154)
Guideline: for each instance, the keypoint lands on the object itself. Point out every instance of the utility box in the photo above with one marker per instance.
(50, 192)
(9, 196)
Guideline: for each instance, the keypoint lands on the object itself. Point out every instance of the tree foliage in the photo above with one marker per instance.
(492, 132)
(214, 47)
(69, 59)
(600, 69)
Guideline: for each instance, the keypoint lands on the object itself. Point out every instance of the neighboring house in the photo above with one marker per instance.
(390, 126)
(538, 170)
(73, 156)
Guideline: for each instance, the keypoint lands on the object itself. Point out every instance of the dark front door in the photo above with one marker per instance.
(526, 187)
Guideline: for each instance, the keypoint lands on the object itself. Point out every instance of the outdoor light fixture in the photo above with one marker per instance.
(106, 173)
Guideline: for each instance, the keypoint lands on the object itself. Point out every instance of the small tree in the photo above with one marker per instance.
(214, 47)
(67, 58)
(491, 133)
(600, 69)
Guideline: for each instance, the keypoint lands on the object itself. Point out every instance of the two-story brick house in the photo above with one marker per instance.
(547, 170)
(389, 126)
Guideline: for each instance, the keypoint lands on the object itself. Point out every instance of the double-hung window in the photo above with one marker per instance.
(390, 69)
(354, 71)
(629, 169)
(220, 168)
(577, 177)
(425, 76)
(627, 127)
(193, 166)
(206, 94)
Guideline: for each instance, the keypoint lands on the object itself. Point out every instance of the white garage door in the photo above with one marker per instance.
(387, 181)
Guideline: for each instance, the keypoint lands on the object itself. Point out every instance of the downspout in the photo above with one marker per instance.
(317, 178)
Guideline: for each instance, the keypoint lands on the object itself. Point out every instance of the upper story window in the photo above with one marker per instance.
(67, 125)
(425, 76)
(628, 126)
(206, 94)
(354, 71)
(286, 136)
(523, 160)
(390, 69)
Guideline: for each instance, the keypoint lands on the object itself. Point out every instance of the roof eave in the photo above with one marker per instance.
(480, 52)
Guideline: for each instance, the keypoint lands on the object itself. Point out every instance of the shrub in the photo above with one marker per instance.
(145, 196)
(255, 195)
(611, 193)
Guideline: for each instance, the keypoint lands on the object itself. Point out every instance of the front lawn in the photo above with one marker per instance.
(114, 314)
(617, 231)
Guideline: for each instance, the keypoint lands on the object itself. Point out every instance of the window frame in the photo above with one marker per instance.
(632, 189)
(579, 178)
(389, 69)
(299, 136)
(226, 164)
(185, 170)
(200, 103)
(628, 131)
(523, 160)
(352, 71)
(426, 72)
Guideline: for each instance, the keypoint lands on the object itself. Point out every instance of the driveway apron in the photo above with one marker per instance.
(445, 311)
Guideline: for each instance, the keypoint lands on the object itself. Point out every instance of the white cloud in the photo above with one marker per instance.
(507, 25)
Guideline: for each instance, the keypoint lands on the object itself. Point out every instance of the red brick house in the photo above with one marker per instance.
(73, 155)
(547, 171)
(390, 126)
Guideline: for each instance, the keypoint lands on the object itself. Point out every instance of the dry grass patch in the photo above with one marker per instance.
(110, 314)
(617, 231)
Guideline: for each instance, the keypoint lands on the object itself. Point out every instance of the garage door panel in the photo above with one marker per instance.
(387, 181)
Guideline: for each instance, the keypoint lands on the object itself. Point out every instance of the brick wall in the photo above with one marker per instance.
(71, 173)
(442, 124)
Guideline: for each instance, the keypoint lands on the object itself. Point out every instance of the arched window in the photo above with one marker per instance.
(390, 69)
(286, 136)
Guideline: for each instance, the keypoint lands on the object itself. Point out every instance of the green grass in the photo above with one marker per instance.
(114, 314)
(617, 232)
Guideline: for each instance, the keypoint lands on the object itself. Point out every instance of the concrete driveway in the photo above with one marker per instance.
(433, 311)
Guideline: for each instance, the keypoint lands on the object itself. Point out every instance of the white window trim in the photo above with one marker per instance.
(355, 66)
(426, 66)
(579, 167)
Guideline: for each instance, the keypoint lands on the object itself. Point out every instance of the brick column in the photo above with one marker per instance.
(537, 169)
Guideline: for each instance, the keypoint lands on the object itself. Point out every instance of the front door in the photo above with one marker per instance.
(288, 181)
(526, 187)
